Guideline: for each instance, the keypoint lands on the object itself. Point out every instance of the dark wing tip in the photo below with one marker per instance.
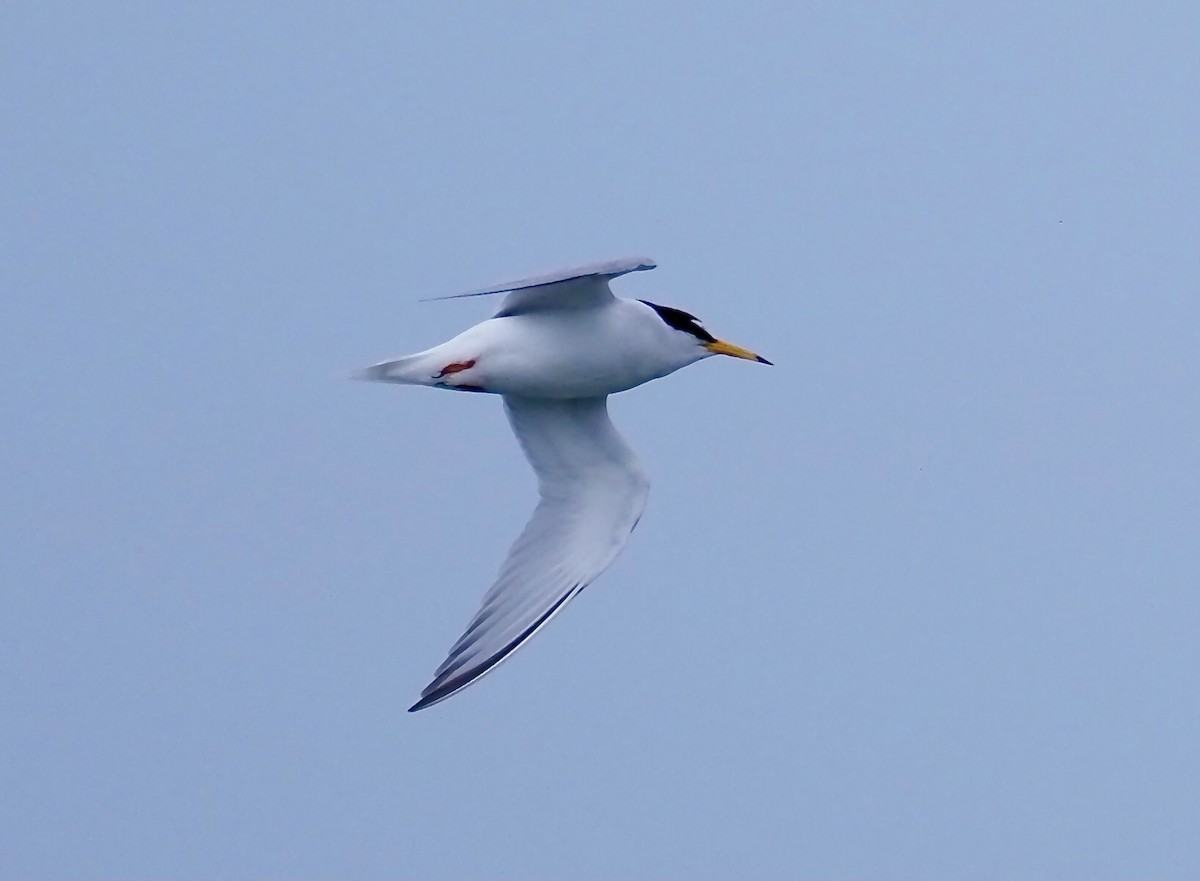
(437, 692)
(440, 688)
(762, 360)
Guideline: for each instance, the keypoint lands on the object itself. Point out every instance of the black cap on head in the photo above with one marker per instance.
(681, 320)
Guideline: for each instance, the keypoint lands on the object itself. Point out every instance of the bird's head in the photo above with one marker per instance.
(693, 338)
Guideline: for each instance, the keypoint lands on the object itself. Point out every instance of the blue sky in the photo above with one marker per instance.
(919, 601)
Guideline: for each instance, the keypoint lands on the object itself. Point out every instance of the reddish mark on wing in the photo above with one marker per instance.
(456, 367)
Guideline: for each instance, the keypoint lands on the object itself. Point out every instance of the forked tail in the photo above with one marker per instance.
(409, 370)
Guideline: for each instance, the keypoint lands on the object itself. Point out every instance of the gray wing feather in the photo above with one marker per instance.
(601, 271)
(592, 493)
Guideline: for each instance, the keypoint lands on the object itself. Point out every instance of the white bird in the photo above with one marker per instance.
(559, 346)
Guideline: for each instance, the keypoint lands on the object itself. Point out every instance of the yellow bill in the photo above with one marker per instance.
(720, 347)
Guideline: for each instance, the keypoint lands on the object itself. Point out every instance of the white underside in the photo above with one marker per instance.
(573, 353)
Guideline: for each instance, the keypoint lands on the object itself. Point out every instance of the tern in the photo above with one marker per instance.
(559, 346)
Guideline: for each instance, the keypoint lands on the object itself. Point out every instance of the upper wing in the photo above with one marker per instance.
(592, 493)
(554, 290)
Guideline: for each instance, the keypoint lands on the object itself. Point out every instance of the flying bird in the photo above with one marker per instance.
(559, 346)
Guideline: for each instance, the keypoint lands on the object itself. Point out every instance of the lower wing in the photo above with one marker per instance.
(593, 491)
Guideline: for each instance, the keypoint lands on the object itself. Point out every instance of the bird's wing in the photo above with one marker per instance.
(578, 286)
(592, 493)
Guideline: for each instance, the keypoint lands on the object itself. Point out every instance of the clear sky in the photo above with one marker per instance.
(922, 600)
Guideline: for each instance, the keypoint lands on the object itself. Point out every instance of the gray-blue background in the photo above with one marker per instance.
(922, 600)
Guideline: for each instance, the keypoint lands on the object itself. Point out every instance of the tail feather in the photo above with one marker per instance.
(408, 370)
